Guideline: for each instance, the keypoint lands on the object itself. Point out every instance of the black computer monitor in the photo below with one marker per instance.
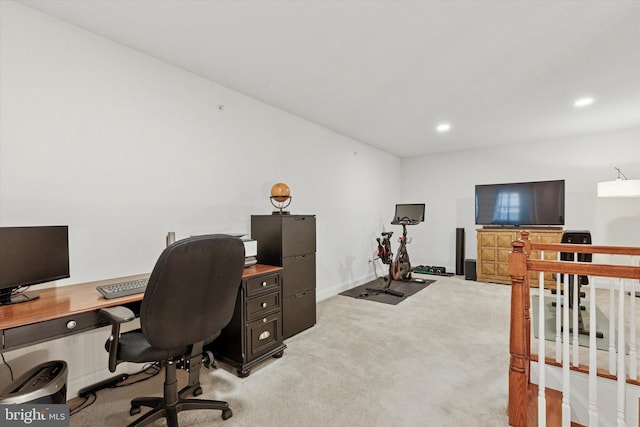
(409, 214)
(31, 255)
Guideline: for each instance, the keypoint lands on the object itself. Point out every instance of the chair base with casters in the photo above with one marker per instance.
(173, 400)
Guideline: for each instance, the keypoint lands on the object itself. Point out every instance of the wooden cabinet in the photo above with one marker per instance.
(255, 331)
(494, 246)
(290, 241)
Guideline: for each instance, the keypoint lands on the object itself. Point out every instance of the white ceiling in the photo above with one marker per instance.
(386, 72)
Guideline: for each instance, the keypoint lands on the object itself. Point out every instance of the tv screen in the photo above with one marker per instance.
(31, 255)
(521, 204)
(410, 213)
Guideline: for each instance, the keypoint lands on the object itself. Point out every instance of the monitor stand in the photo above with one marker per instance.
(7, 297)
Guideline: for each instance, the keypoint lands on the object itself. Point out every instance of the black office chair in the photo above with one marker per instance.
(189, 299)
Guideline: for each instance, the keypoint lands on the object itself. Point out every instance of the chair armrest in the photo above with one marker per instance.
(117, 316)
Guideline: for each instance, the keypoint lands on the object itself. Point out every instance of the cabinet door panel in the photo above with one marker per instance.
(488, 254)
(299, 274)
(488, 239)
(488, 269)
(505, 239)
(298, 235)
(298, 312)
(263, 335)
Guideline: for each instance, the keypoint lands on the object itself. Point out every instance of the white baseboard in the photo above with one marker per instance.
(344, 286)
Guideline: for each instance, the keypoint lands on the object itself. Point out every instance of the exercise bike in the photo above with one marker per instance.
(400, 268)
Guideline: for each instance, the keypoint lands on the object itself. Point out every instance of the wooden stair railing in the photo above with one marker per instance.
(520, 333)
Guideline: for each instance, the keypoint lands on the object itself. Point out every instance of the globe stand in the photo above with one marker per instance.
(280, 204)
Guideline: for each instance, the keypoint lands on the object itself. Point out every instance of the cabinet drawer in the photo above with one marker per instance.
(299, 274)
(298, 235)
(261, 284)
(262, 305)
(57, 328)
(263, 335)
(298, 313)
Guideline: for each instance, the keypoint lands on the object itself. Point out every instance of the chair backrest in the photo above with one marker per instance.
(192, 290)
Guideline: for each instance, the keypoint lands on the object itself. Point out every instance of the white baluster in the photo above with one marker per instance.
(558, 319)
(593, 357)
(542, 365)
(621, 369)
(574, 320)
(612, 328)
(633, 362)
(566, 382)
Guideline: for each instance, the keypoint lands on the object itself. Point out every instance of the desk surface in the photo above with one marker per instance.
(62, 301)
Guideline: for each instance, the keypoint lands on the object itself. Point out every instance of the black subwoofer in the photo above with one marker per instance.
(470, 269)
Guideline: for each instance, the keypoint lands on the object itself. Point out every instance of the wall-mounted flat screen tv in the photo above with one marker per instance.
(538, 203)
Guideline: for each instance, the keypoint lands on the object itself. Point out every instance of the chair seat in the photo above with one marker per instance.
(134, 347)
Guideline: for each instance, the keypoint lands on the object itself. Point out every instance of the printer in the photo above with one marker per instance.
(250, 252)
(250, 245)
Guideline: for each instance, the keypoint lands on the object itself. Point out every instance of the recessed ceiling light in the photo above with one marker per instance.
(443, 127)
(583, 102)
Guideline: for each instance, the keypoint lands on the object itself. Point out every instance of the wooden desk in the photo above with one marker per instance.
(59, 312)
(72, 309)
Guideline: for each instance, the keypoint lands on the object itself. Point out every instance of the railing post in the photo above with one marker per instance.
(519, 339)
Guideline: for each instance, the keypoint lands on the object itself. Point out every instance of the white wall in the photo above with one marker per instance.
(446, 183)
(124, 148)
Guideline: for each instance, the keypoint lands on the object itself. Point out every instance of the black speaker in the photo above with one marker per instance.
(470, 269)
(459, 251)
(576, 237)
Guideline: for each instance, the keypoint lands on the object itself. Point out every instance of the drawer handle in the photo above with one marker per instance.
(264, 335)
(264, 305)
(264, 284)
(71, 324)
(264, 320)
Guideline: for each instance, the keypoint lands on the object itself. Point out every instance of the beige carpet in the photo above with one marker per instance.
(439, 358)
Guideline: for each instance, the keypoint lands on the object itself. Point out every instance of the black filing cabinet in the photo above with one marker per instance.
(290, 241)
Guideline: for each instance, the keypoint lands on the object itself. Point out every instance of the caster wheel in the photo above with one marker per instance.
(226, 414)
(209, 361)
(244, 374)
(279, 354)
(197, 391)
(134, 410)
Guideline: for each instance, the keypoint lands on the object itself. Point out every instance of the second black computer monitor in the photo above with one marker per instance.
(412, 213)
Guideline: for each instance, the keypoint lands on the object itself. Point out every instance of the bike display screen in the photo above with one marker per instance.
(409, 213)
